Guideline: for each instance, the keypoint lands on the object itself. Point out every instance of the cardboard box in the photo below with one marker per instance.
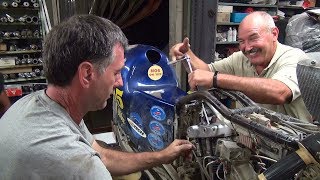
(223, 17)
(10, 61)
(227, 9)
(3, 47)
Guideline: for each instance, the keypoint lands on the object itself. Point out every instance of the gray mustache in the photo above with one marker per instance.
(253, 50)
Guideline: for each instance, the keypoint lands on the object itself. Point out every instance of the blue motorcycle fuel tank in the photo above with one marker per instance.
(144, 106)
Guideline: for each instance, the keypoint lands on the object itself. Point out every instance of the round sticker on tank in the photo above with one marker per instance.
(135, 123)
(157, 113)
(155, 72)
(155, 141)
(157, 128)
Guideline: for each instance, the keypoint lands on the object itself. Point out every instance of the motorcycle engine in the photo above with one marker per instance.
(238, 143)
(233, 137)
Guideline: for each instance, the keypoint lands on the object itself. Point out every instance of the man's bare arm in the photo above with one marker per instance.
(121, 163)
(260, 90)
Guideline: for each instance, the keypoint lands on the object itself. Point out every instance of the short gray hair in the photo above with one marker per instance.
(268, 20)
(78, 39)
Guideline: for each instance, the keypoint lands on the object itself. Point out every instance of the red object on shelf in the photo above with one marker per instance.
(249, 10)
(14, 91)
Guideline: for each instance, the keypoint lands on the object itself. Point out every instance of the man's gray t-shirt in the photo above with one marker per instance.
(39, 140)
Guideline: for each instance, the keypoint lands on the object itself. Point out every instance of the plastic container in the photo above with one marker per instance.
(234, 34)
(237, 17)
(229, 37)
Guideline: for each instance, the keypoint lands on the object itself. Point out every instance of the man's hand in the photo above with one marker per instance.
(121, 163)
(177, 148)
(180, 49)
(200, 78)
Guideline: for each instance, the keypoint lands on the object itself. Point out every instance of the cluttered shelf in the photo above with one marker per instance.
(21, 47)
(229, 16)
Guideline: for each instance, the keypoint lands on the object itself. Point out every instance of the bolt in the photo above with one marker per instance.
(313, 63)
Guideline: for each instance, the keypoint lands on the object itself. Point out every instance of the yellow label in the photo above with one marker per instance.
(155, 72)
(119, 94)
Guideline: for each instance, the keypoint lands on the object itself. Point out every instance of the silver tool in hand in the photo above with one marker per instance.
(185, 60)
